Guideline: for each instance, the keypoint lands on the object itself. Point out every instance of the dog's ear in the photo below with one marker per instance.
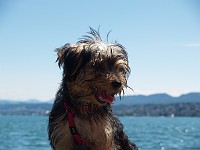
(72, 59)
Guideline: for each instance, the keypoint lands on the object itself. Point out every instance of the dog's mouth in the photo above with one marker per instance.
(103, 97)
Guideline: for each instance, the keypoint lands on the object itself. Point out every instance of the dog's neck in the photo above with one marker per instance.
(88, 108)
(70, 114)
(83, 110)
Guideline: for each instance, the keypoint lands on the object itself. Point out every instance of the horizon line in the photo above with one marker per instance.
(125, 95)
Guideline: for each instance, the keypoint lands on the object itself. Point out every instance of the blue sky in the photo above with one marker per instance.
(162, 39)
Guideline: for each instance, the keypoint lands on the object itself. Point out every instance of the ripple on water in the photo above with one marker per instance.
(149, 133)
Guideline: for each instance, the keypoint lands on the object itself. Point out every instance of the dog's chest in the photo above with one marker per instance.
(98, 131)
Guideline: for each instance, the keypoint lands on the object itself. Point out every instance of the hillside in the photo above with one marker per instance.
(158, 99)
(139, 105)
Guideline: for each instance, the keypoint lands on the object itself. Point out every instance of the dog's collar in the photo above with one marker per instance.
(76, 136)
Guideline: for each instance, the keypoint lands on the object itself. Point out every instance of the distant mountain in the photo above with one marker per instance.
(134, 99)
(170, 110)
(31, 101)
(8, 102)
(158, 99)
(139, 105)
(24, 108)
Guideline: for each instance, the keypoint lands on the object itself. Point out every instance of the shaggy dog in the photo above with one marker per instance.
(81, 117)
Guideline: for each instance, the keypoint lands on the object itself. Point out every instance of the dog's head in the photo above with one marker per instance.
(94, 71)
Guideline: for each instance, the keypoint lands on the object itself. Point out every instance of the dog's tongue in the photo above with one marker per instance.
(103, 96)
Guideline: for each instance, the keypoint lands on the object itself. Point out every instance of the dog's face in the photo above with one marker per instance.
(93, 71)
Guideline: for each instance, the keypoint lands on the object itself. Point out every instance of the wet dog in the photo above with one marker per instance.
(81, 116)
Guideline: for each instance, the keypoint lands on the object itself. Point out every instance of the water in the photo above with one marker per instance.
(149, 133)
(23, 133)
(159, 133)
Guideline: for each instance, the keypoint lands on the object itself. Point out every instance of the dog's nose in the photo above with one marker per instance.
(116, 84)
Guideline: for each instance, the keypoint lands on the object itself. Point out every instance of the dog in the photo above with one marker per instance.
(81, 117)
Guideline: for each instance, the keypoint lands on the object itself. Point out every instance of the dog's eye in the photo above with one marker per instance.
(122, 70)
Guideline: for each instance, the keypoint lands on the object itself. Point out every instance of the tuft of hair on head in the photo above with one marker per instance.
(60, 57)
(93, 36)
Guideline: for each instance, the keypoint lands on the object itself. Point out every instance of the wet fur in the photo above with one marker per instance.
(87, 66)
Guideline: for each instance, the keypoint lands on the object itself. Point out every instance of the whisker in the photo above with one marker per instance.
(130, 88)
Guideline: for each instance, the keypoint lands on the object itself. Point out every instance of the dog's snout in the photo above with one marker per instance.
(116, 84)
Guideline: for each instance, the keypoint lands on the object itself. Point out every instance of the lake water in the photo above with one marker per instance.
(149, 133)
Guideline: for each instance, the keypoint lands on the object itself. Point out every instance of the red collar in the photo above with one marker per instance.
(76, 136)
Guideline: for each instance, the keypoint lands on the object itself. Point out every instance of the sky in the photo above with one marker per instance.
(162, 39)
